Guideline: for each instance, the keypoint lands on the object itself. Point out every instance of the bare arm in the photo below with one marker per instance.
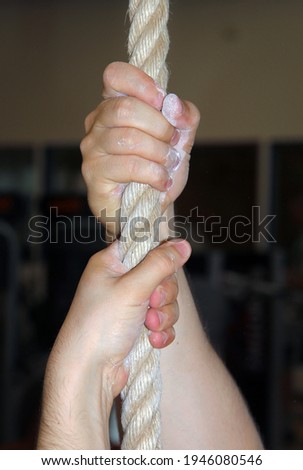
(129, 139)
(207, 410)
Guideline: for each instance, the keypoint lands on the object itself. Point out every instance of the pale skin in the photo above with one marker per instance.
(129, 139)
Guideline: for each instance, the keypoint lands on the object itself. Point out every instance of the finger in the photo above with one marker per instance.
(129, 141)
(181, 114)
(161, 339)
(164, 294)
(122, 169)
(161, 319)
(90, 121)
(122, 78)
(184, 116)
(159, 264)
(126, 111)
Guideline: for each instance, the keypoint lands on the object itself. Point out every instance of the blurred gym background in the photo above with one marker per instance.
(240, 62)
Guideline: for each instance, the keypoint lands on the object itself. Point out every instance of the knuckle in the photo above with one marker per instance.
(133, 167)
(86, 170)
(137, 169)
(86, 145)
(172, 286)
(159, 174)
(128, 139)
(124, 108)
(89, 121)
(83, 147)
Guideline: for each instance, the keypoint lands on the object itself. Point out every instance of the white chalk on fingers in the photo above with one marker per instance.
(172, 108)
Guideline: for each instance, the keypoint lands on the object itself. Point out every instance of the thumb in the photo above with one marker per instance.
(185, 117)
(158, 264)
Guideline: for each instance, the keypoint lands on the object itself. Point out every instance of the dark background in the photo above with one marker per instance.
(240, 62)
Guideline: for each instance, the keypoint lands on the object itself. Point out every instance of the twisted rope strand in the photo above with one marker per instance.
(148, 45)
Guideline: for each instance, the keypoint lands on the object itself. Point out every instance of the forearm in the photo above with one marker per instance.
(75, 406)
(201, 402)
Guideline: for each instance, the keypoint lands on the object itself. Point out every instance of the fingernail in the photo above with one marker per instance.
(172, 106)
(168, 184)
(164, 337)
(173, 159)
(162, 297)
(175, 138)
(161, 95)
(160, 317)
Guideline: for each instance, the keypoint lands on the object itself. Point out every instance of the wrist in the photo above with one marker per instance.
(76, 406)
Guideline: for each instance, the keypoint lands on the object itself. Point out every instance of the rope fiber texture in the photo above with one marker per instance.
(148, 45)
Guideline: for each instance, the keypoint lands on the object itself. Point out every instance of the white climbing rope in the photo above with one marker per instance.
(148, 45)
